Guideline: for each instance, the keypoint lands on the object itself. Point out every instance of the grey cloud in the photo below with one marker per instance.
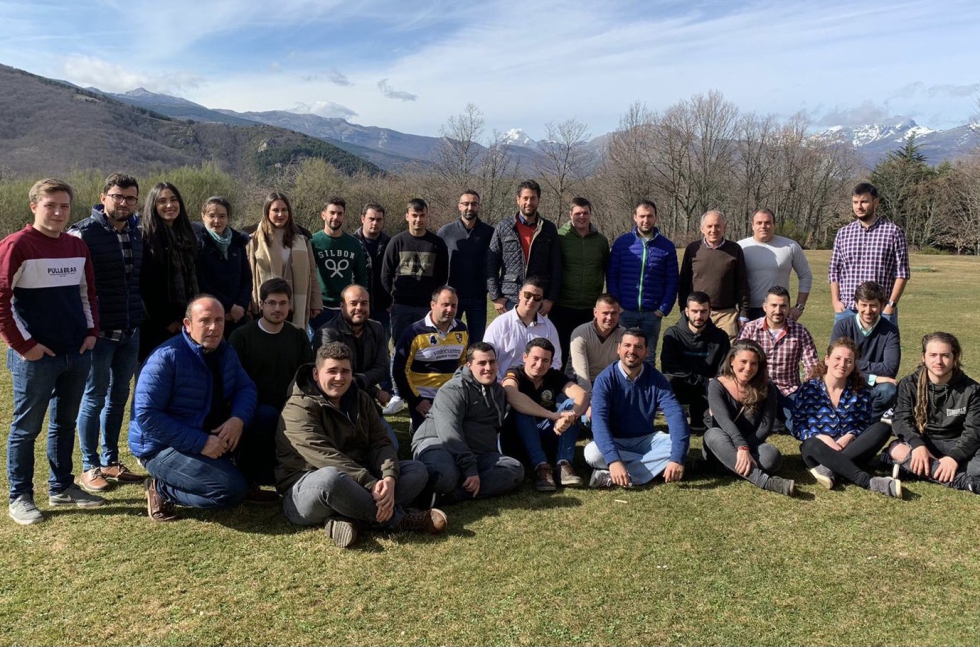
(866, 113)
(392, 93)
(339, 79)
(957, 91)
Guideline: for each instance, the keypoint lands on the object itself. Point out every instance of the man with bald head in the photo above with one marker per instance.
(192, 403)
(716, 266)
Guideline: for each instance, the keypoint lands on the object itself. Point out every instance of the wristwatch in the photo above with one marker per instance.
(892, 304)
(801, 307)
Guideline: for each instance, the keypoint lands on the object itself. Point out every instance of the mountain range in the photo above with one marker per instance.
(391, 149)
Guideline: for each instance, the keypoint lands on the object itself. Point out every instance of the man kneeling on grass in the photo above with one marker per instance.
(337, 465)
(627, 449)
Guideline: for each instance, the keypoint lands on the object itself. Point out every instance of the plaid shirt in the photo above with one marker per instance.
(877, 253)
(784, 352)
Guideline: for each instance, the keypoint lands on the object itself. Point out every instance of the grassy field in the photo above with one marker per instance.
(711, 560)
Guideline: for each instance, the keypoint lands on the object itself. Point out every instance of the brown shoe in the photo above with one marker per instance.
(157, 507)
(119, 473)
(432, 521)
(567, 476)
(93, 481)
(544, 479)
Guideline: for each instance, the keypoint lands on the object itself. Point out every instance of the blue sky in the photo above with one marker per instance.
(410, 66)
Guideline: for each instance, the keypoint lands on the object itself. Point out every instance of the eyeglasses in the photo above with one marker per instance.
(276, 304)
(118, 197)
(531, 295)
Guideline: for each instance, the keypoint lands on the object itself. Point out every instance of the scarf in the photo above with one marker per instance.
(223, 241)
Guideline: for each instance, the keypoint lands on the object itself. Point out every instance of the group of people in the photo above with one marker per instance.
(266, 359)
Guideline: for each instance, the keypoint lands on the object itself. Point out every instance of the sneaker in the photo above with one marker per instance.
(259, 496)
(433, 521)
(780, 485)
(896, 470)
(544, 479)
(567, 476)
(74, 495)
(395, 405)
(824, 476)
(888, 416)
(93, 481)
(600, 478)
(119, 473)
(341, 531)
(157, 508)
(23, 511)
(887, 486)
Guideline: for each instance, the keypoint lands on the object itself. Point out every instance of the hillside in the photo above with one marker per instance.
(49, 128)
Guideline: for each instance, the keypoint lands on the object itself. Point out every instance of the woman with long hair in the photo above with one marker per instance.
(168, 278)
(937, 418)
(741, 412)
(222, 262)
(832, 418)
(279, 249)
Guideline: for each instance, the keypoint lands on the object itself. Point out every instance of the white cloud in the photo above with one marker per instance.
(324, 109)
(90, 71)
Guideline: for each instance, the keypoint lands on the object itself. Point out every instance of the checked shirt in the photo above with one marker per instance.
(784, 352)
(877, 253)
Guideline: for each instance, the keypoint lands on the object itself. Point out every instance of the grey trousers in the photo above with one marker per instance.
(718, 443)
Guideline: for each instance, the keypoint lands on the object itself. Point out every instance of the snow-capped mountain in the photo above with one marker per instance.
(874, 141)
(517, 137)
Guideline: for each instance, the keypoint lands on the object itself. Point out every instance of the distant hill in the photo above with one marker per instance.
(49, 127)
(874, 141)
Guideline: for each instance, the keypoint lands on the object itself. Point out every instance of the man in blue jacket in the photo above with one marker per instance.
(643, 275)
(113, 237)
(628, 450)
(193, 400)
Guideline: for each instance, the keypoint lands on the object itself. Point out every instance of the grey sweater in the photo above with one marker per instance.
(464, 420)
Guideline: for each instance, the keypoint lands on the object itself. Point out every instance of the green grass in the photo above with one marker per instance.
(710, 560)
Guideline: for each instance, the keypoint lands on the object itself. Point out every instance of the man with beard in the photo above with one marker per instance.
(270, 350)
(340, 259)
(114, 241)
(628, 450)
(595, 345)
(786, 343)
(366, 341)
(429, 352)
(510, 332)
(468, 240)
(769, 259)
(643, 274)
(523, 246)
(869, 249)
(693, 349)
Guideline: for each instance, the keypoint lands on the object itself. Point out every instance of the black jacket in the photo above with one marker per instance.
(506, 269)
(120, 306)
(954, 414)
(693, 358)
(228, 279)
(369, 351)
(380, 299)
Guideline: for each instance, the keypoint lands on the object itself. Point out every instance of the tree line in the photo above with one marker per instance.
(699, 154)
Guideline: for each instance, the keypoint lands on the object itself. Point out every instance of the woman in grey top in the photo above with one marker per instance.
(741, 411)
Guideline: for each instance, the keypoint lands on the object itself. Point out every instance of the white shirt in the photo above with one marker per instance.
(509, 336)
(768, 264)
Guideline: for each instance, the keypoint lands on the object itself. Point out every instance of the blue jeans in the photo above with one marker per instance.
(104, 402)
(52, 384)
(893, 317)
(383, 317)
(196, 481)
(531, 430)
(785, 406)
(498, 474)
(475, 309)
(644, 457)
(650, 324)
(329, 492)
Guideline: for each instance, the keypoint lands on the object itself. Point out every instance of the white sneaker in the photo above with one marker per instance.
(395, 405)
(888, 416)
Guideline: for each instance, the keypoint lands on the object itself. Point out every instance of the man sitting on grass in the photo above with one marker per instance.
(458, 441)
(193, 401)
(543, 424)
(336, 463)
(628, 450)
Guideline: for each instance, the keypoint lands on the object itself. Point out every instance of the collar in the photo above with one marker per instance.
(431, 324)
(523, 221)
(866, 331)
(622, 370)
(704, 241)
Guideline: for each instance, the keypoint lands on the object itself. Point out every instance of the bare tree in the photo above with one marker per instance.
(497, 172)
(564, 163)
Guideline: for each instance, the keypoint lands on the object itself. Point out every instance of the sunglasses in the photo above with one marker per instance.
(531, 295)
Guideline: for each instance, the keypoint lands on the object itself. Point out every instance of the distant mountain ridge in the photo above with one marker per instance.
(874, 141)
